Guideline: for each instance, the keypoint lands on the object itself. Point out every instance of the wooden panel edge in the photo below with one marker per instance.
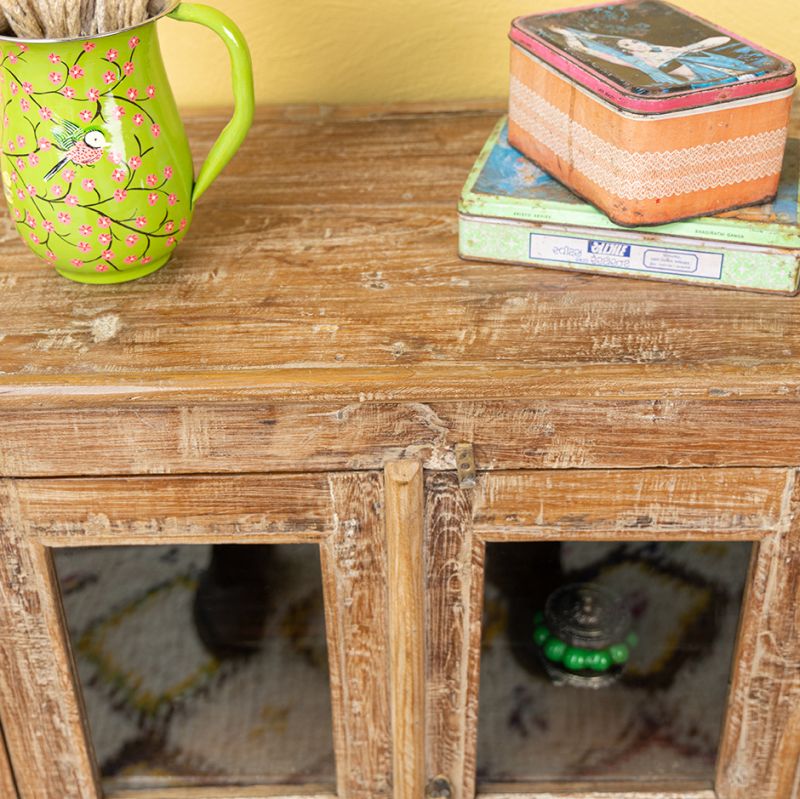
(267, 792)
(196, 438)
(760, 747)
(44, 719)
(175, 510)
(473, 665)
(354, 573)
(8, 787)
(404, 504)
(588, 789)
(420, 382)
(450, 612)
(589, 786)
(641, 793)
(648, 504)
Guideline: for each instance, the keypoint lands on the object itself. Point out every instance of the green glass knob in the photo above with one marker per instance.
(632, 640)
(574, 659)
(541, 634)
(554, 649)
(538, 617)
(619, 653)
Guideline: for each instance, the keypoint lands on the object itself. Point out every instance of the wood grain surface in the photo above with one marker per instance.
(271, 792)
(450, 574)
(629, 792)
(761, 744)
(713, 504)
(174, 510)
(44, 722)
(318, 308)
(318, 320)
(355, 576)
(406, 589)
(760, 750)
(7, 786)
(41, 706)
(159, 438)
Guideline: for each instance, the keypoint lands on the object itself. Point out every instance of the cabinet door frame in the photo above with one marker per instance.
(45, 721)
(760, 744)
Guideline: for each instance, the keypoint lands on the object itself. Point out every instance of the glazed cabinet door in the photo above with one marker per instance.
(613, 633)
(197, 637)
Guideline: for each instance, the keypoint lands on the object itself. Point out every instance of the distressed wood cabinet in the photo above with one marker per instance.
(302, 374)
(709, 505)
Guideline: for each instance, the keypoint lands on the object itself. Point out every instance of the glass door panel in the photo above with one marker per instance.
(650, 710)
(202, 665)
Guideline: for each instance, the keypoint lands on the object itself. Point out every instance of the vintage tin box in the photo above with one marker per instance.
(513, 212)
(648, 112)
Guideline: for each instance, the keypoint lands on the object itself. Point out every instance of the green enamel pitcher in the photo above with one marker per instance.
(95, 161)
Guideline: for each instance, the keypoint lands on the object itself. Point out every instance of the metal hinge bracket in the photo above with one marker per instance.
(465, 465)
(439, 787)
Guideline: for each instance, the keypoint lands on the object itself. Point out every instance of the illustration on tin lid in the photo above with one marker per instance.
(650, 47)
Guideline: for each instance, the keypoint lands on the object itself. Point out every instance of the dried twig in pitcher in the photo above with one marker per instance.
(23, 15)
(63, 19)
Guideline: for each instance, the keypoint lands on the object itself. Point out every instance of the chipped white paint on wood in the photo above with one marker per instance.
(105, 327)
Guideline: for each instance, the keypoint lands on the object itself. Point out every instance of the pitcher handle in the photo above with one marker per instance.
(233, 134)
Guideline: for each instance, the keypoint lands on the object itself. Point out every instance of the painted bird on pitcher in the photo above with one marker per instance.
(81, 146)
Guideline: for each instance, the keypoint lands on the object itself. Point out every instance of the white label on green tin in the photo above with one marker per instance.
(620, 255)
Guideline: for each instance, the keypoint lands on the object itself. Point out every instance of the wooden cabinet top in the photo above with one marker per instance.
(323, 266)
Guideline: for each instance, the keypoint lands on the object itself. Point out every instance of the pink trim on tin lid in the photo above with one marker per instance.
(673, 99)
(649, 105)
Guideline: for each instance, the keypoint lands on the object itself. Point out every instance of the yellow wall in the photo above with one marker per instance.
(337, 51)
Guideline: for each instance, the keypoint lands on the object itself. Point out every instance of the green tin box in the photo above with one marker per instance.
(511, 211)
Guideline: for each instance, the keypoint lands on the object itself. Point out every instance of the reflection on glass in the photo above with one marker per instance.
(661, 719)
(228, 685)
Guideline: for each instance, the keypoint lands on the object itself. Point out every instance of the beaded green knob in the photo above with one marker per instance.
(584, 636)
(578, 658)
(541, 634)
(574, 659)
(601, 661)
(619, 653)
(554, 649)
(592, 661)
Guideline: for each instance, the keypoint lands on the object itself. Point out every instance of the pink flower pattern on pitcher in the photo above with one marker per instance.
(69, 138)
